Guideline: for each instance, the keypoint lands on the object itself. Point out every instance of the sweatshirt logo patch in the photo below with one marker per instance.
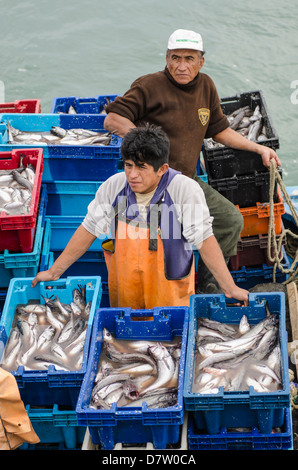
(204, 114)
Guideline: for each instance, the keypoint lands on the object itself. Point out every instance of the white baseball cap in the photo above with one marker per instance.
(185, 39)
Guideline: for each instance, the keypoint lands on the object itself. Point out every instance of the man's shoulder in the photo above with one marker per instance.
(182, 183)
(114, 184)
(150, 77)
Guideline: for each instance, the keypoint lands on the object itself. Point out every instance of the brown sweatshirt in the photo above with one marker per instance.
(187, 113)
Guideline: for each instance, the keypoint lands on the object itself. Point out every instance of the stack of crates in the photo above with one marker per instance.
(140, 424)
(245, 419)
(72, 173)
(50, 394)
(24, 238)
(242, 178)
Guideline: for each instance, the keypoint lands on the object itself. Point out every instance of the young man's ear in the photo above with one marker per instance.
(163, 168)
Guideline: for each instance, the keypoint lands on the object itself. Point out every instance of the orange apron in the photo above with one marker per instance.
(137, 274)
(15, 425)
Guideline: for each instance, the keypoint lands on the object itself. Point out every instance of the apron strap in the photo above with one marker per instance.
(155, 216)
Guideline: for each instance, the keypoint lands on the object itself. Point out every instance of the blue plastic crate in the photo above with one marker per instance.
(201, 171)
(245, 408)
(86, 162)
(92, 263)
(3, 293)
(134, 424)
(55, 426)
(248, 277)
(45, 256)
(27, 264)
(253, 439)
(105, 299)
(47, 387)
(90, 105)
(70, 197)
(62, 229)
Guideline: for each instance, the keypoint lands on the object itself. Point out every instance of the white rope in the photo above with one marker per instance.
(274, 245)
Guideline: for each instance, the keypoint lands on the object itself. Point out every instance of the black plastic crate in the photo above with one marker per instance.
(247, 190)
(225, 161)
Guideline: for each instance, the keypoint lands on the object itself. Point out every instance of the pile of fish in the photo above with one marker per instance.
(50, 333)
(16, 190)
(132, 372)
(58, 136)
(236, 357)
(247, 123)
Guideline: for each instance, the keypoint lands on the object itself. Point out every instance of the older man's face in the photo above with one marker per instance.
(184, 64)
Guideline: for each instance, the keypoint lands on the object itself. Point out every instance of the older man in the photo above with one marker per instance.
(185, 103)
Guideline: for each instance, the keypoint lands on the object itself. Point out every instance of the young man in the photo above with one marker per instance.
(155, 215)
(184, 102)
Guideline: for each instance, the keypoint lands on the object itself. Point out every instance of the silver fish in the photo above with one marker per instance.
(53, 320)
(244, 326)
(162, 400)
(71, 110)
(165, 366)
(222, 328)
(45, 337)
(21, 180)
(79, 297)
(108, 380)
(48, 359)
(58, 131)
(116, 356)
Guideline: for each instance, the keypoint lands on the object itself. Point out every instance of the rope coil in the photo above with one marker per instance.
(274, 246)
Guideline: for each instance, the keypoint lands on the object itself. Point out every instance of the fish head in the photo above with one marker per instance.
(107, 336)
(130, 390)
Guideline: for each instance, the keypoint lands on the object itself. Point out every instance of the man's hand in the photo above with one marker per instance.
(268, 154)
(43, 276)
(239, 294)
(231, 138)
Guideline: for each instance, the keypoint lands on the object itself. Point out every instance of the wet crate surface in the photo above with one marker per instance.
(134, 424)
(77, 162)
(237, 409)
(70, 198)
(251, 439)
(55, 426)
(49, 386)
(63, 227)
(27, 264)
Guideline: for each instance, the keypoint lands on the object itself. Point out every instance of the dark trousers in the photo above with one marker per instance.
(227, 222)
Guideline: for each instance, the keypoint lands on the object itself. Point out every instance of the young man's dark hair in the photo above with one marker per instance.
(148, 144)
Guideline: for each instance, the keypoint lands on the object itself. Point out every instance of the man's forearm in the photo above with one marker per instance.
(231, 138)
(214, 260)
(76, 247)
(118, 125)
